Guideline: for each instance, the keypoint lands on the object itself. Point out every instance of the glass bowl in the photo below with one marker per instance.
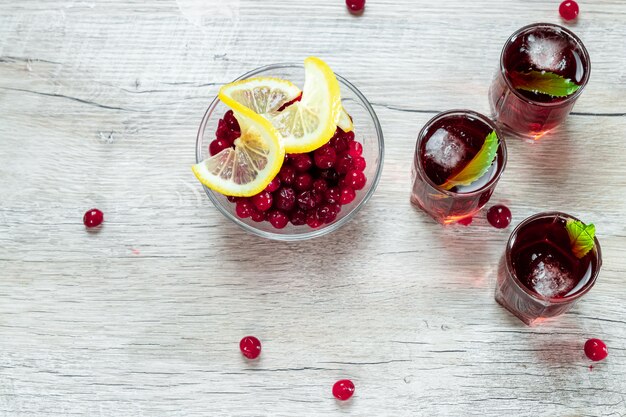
(367, 131)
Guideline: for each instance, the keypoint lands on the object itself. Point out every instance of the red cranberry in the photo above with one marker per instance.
(355, 179)
(222, 131)
(328, 212)
(234, 134)
(231, 121)
(339, 143)
(343, 389)
(596, 350)
(301, 162)
(257, 216)
(333, 195)
(262, 201)
(344, 164)
(355, 149)
(287, 174)
(355, 6)
(348, 136)
(278, 219)
(325, 157)
(232, 199)
(359, 163)
(347, 196)
(217, 146)
(499, 216)
(244, 208)
(313, 220)
(285, 199)
(298, 217)
(303, 182)
(93, 218)
(317, 197)
(273, 186)
(250, 347)
(306, 200)
(320, 185)
(568, 10)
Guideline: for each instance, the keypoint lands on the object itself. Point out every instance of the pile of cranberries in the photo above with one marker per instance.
(310, 187)
(227, 131)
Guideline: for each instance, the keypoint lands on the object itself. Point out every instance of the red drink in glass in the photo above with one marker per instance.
(533, 51)
(539, 276)
(445, 145)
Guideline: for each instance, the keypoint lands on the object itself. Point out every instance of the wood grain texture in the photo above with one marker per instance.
(99, 106)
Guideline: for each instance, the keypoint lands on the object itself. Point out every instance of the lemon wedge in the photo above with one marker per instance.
(344, 121)
(250, 166)
(308, 124)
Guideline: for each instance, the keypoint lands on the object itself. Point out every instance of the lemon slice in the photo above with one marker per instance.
(248, 168)
(309, 123)
(262, 95)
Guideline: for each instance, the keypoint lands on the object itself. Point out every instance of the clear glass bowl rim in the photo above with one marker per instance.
(314, 232)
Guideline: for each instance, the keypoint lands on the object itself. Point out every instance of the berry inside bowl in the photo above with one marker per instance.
(295, 200)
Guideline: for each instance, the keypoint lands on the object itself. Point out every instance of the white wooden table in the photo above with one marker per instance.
(99, 106)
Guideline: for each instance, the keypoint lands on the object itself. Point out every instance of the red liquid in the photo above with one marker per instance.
(445, 146)
(539, 275)
(541, 47)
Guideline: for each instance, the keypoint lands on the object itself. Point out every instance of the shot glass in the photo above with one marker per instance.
(543, 70)
(538, 275)
(446, 144)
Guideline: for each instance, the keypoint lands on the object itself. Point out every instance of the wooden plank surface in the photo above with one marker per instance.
(99, 106)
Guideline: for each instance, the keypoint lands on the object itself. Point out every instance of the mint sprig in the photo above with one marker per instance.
(544, 82)
(478, 166)
(581, 237)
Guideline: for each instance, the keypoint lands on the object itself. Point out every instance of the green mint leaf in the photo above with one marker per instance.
(544, 82)
(580, 237)
(478, 166)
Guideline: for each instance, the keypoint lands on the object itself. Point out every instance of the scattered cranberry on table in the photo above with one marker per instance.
(499, 216)
(250, 347)
(343, 389)
(568, 10)
(596, 350)
(93, 218)
(355, 6)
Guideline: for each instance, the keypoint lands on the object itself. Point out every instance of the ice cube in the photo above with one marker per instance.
(550, 277)
(445, 149)
(547, 53)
